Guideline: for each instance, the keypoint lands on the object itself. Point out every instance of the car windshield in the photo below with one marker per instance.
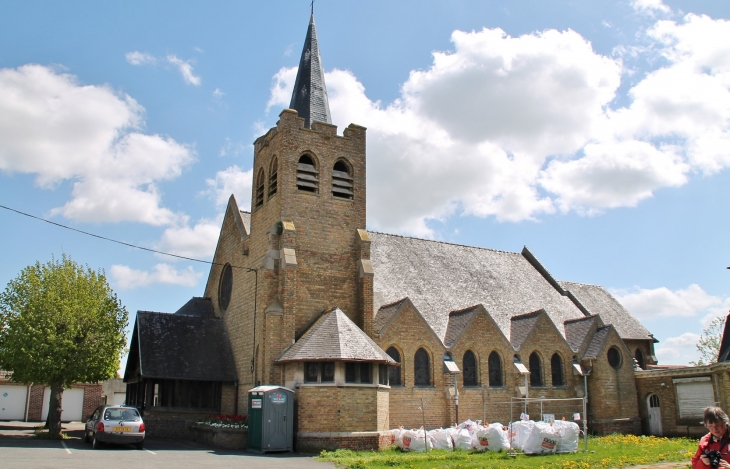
(122, 414)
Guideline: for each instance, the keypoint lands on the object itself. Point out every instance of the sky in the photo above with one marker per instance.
(595, 132)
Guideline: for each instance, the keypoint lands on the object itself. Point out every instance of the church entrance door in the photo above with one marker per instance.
(655, 415)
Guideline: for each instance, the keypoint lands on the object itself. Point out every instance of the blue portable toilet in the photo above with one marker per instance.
(270, 419)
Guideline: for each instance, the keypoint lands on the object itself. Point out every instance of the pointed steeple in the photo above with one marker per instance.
(309, 97)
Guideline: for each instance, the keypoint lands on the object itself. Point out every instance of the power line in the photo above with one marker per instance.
(122, 242)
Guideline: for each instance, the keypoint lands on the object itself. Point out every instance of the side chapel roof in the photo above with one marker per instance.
(724, 355)
(334, 337)
(599, 301)
(440, 277)
(190, 344)
(309, 97)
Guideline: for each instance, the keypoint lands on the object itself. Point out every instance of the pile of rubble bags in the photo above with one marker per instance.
(468, 435)
(544, 438)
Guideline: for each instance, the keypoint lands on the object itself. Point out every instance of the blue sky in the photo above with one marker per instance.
(597, 133)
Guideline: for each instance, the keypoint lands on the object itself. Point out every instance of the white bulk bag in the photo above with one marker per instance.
(519, 431)
(492, 438)
(569, 436)
(395, 436)
(469, 425)
(413, 440)
(462, 438)
(440, 439)
(543, 439)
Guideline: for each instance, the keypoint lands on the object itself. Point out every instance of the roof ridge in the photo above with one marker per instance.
(528, 315)
(393, 303)
(444, 242)
(465, 310)
(592, 316)
(582, 283)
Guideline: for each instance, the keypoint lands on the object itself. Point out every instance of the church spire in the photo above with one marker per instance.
(309, 97)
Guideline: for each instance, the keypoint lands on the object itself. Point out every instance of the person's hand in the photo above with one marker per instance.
(705, 460)
(724, 464)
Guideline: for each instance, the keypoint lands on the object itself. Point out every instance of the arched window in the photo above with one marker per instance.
(556, 367)
(535, 370)
(341, 180)
(307, 174)
(259, 198)
(614, 358)
(422, 368)
(640, 358)
(273, 177)
(225, 287)
(394, 371)
(470, 369)
(495, 370)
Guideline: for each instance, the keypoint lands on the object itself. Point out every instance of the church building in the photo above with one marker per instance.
(374, 330)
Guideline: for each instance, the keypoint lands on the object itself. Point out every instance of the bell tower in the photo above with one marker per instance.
(308, 236)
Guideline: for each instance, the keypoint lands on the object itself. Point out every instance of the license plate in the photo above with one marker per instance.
(122, 429)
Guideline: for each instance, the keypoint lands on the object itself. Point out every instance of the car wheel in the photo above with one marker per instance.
(95, 443)
(140, 445)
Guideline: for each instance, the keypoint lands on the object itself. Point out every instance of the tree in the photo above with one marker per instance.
(709, 343)
(60, 324)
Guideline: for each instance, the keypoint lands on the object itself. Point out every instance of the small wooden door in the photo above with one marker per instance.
(655, 415)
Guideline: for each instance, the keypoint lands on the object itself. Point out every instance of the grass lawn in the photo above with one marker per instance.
(603, 452)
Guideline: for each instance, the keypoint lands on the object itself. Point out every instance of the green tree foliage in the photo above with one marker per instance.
(60, 324)
(709, 343)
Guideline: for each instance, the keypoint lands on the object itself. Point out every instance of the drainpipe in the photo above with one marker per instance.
(27, 402)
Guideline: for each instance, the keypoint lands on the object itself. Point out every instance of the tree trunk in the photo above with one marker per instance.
(54, 410)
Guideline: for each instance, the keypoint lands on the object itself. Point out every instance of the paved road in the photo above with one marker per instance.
(18, 450)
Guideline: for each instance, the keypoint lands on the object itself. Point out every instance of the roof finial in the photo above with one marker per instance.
(312, 4)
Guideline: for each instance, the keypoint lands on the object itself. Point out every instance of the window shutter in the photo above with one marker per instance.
(693, 397)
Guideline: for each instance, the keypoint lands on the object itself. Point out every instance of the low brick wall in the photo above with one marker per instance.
(314, 442)
(171, 423)
(228, 438)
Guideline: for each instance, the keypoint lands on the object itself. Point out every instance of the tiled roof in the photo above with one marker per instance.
(246, 219)
(385, 315)
(177, 346)
(576, 331)
(599, 338)
(197, 306)
(597, 300)
(521, 326)
(309, 97)
(458, 322)
(334, 337)
(441, 277)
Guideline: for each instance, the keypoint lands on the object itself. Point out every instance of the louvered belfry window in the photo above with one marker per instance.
(495, 369)
(422, 368)
(273, 178)
(394, 371)
(535, 370)
(470, 369)
(556, 367)
(342, 181)
(307, 175)
(259, 189)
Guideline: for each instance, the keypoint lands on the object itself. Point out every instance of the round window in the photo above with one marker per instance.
(225, 287)
(614, 357)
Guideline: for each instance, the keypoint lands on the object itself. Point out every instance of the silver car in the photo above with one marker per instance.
(115, 424)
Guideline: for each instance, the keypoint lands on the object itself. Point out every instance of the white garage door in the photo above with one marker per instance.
(693, 395)
(72, 404)
(12, 402)
(118, 398)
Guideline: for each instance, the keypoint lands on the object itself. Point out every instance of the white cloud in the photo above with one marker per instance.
(231, 180)
(197, 242)
(281, 88)
(186, 70)
(650, 6)
(59, 130)
(127, 278)
(678, 350)
(663, 302)
(218, 93)
(140, 58)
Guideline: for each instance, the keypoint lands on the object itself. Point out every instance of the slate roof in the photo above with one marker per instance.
(597, 300)
(183, 346)
(309, 97)
(197, 306)
(599, 338)
(521, 326)
(246, 218)
(576, 331)
(440, 277)
(385, 314)
(334, 337)
(458, 322)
